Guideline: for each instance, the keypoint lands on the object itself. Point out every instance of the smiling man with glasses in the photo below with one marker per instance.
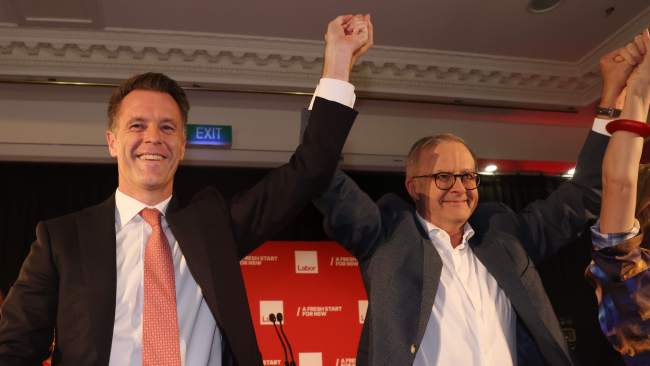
(453, 282)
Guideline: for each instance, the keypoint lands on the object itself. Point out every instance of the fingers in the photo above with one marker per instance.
(638, 41)
(643, 40)
(641, 74)
(343, 19)
(371, 35)
(611, 57)
(355, 25)
(337, 26)
(629, 58)
(633, 51)
(370, 38)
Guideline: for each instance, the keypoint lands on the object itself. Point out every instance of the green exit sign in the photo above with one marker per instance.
(209, 135)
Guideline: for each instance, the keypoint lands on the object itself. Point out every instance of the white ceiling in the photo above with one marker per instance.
(501, 27)
(467, 50)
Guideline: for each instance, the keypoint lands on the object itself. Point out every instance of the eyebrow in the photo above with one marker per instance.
(138, 118)
(460, 172)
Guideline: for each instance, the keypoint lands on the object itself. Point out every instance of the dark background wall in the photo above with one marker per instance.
(30, 192)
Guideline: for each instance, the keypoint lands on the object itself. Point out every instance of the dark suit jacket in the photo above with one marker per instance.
(401, 269)
(68, 281)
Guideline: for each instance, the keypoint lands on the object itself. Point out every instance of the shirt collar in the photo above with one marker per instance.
(438, 235)
(127, 207)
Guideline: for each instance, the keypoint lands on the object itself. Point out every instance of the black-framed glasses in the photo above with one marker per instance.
(446, 180)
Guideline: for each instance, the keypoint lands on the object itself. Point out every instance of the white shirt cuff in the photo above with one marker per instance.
(600, 125)
(336, 91)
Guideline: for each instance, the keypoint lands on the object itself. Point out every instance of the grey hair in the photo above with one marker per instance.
(431, 142)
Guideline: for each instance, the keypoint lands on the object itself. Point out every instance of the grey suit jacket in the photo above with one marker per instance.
(401, 269)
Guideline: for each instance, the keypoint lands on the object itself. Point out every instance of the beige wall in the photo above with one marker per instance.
(67, 123)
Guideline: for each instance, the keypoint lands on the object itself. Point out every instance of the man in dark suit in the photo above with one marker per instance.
(453, 282)
(144, 279)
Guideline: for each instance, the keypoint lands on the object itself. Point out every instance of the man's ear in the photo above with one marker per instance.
(410, 183)
(183, 147)
(111, 140)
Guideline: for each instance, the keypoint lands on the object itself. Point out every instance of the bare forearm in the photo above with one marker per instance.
(621, 165)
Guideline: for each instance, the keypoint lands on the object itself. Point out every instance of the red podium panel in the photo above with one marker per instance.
(317, 287)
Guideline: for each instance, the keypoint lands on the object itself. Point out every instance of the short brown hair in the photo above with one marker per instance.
(431, 142)
(148, 81)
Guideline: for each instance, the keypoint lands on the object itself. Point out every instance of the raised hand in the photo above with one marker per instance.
(640, 76)
(362, 25)
(347, 38)
(621, 161)
(615, 68)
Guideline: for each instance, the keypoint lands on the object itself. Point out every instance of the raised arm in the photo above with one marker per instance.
(619, 271)
(549, 224)
(261, 211)
(621, 162)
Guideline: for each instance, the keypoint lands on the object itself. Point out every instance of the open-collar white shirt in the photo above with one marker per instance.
(472, 322)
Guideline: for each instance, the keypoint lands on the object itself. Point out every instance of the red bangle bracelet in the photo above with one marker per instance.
(640, 128)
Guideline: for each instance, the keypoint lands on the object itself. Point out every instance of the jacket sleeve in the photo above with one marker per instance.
(351, 217)
(260, 212)
(28, 313)
(545, 226)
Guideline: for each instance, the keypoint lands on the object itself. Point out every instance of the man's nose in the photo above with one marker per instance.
(458, 185)
(152, 133)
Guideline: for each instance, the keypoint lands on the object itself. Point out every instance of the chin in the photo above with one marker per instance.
(152, 183)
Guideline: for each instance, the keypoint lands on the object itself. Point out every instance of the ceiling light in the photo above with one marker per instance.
(542, 6)
(569, 173)
(490, 168)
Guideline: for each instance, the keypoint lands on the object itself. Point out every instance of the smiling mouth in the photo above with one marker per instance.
(457, 202)
(151, 157)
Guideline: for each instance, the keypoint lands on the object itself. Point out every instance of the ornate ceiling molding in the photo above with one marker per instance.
(260, 63)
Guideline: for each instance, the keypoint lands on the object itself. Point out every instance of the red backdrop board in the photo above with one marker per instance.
(318, 288)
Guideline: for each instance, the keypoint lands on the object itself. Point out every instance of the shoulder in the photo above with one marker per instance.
(393, 205)
(486, 211)
(96, 211)
(208, 198)
(396, 212)
(207, 193)
(491, 215)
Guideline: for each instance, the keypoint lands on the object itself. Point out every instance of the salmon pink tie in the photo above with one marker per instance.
(160, 344)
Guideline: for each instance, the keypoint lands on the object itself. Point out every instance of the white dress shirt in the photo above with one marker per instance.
(198, 332)
(472, 322)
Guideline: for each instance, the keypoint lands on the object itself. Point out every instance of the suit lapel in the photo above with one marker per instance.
(431, 270)
(96, 228)
(497, 261)
(185, 225)
(495, 258)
